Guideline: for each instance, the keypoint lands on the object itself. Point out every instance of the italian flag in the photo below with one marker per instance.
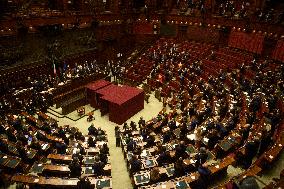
(54, 68)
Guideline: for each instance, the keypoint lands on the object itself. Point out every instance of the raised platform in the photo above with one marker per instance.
(91, 89)
(121, 102)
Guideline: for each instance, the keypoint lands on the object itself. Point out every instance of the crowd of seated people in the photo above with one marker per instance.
(232, 9)
(219, 115)
(269, 16)
(38, 12)
(35, 145)
(242, 9)
(193, 7)
(30, 139)
(38, 93)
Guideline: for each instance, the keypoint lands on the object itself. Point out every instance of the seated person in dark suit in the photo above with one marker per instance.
(84, 183)
(193, 124)
(21, 150)
(251, 149)
(22, 138)
(135, 164)
(11, 134)
(93, 130)
(179, 168)
(272, 102)
(131, 145)
(221, 129)
(203, 170)
(101, 135)
(125, 126)
(61, 132)
(35, 144)
(255, 104)
(78, 156)
(164, 158)
(201, 157)
(155, 175)
(17, 124)
(213, 137)
(100, 131)
(180, 150)
(104, 149)
(204, 173)
(75, 168)
(250, 118)
(46, 127)
(141, 122)
(61, 147)
(3, 145)
(183, 131)
(150, 140)
(79, 136)
(144, 133)
(133, 126)
(160, 148)
(103, 158)
(127, 138)
(91, 142)
(2, 127)
(172, 125)
(167, 137)
(98, 166)
(81, 148)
